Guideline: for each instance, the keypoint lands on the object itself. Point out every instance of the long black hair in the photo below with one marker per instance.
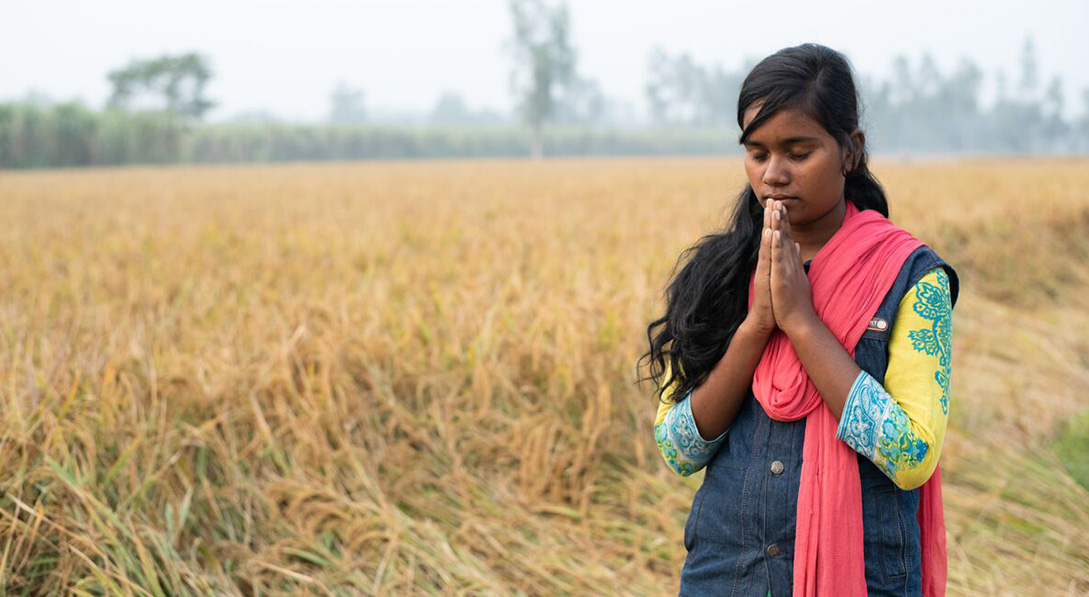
(708, 297)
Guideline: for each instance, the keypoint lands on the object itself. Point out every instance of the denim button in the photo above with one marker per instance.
(773, 551)
(777, 467)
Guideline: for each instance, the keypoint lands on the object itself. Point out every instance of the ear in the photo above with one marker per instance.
(853, 153)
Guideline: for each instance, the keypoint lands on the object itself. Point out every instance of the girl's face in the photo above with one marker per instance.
(793, 159)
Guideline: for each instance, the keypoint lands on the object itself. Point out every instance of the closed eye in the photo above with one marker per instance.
(798, 157)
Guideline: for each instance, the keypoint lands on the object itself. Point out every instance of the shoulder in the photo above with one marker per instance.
(929, 298)
(923, 262)
(918, 273)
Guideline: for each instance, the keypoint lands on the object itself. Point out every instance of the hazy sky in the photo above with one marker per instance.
(285, 56)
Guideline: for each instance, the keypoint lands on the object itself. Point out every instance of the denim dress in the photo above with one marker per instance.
(740, 531)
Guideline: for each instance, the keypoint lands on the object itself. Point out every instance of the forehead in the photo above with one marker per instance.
(787, 123)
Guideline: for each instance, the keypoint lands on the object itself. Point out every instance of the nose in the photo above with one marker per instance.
(776, 173)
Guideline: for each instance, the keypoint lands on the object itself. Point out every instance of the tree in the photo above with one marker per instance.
(1030, 72)
(959, 103)
(543, 62)
(682, 91)
(346, 105)
(1000, 86)
(903, 81)
(173, 83)
(1083, 123)
(673, 88)
(583, 103)
(930, 77)
(450, 109)
(1055, 130)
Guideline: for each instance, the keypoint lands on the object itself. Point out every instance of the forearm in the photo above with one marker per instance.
(827, 363)
(900, 423)
(679, 442)
(904, 447)
(716, 402)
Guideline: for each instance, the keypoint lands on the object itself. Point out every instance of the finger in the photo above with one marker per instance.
(788, 238)
(776, 273)
(765, 233)
(765, 238)
(794, 253)
(784, 223)
(765, 245)
(789, 244)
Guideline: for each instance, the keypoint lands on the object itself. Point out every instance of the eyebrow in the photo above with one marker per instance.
(789, 141)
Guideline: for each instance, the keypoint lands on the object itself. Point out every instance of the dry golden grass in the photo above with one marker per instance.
(398, 379)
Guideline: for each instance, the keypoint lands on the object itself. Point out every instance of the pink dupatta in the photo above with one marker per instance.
(849, 277)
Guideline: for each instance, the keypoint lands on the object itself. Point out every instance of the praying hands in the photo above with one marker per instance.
(781, 293)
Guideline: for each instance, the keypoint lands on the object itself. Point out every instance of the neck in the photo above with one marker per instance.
(815, 234)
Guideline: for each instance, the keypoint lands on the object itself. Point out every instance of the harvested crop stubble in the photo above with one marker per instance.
(402, 378)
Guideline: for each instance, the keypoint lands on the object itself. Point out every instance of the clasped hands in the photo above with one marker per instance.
(782, 297)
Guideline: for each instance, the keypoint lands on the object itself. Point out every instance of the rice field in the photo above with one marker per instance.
(419, 378)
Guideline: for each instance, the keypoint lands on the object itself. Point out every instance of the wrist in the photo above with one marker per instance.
(801, 325)
(750, 326)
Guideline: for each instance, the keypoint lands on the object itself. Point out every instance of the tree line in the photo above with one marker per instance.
(156, 109)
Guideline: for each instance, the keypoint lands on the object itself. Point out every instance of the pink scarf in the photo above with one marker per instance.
(849, 277)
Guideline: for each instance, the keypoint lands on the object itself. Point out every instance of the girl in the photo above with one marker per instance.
(804, 361)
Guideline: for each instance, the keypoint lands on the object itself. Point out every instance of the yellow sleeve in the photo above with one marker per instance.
(666, 403)
(900, 426)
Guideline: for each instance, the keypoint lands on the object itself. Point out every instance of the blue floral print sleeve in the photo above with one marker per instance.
(680, 443)
(900, 426)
